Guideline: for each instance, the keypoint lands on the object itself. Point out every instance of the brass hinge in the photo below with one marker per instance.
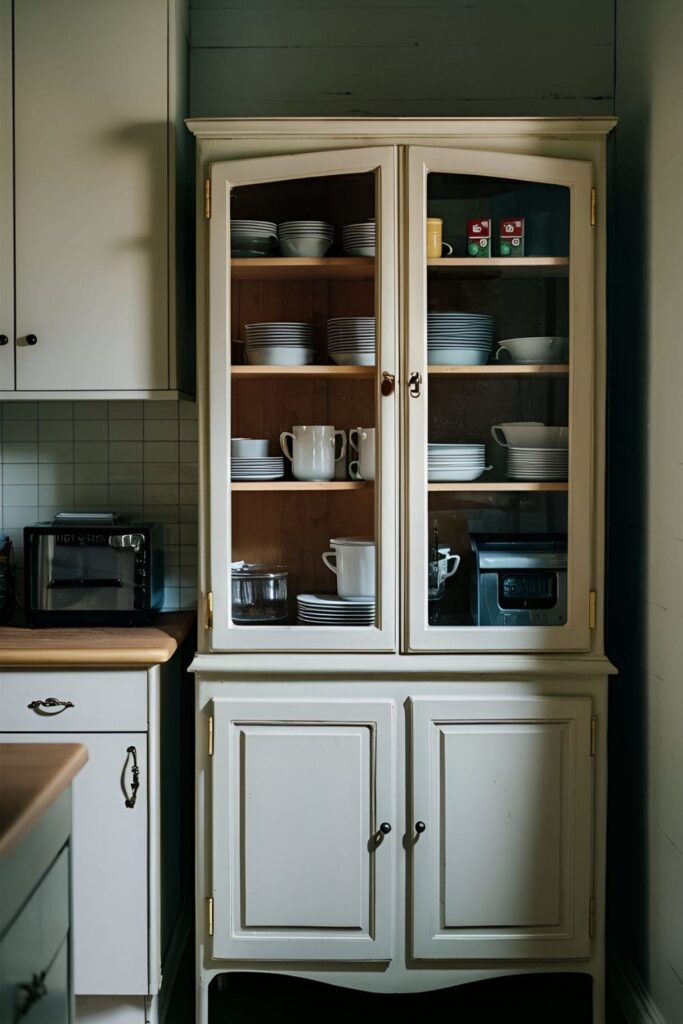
(209, 742)
(594, 726)
(209, 610)
(592, 609)
(591, 917)
(594, 206)
(209, 915)
(207, 199)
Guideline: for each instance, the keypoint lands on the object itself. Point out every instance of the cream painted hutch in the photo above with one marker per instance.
(421, 802)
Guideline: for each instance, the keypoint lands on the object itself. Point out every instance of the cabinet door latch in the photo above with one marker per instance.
(209, 610)
(209, 915)
(594, 207)
(415, 384)
(209, 739)
(207, 199)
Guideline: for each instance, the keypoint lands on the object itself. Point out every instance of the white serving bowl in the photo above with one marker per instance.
(306, 245)
(248, 447)
(279, 356)
(353, 358)
(456, 475)
(549, 349)
(530, 435)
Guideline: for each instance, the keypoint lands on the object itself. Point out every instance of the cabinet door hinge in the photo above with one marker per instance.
(594, 728)
(592, 609)
(209, 915)
(594, 206)
(207, 199)
(209, 741)
(591, 917)
(209, 610)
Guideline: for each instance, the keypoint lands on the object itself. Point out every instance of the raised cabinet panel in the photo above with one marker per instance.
(300, 867)
(504, 789)
(91, 194)
(109, 849)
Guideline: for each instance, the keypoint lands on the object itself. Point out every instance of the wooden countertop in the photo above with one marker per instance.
(95, 646)
(32, 776)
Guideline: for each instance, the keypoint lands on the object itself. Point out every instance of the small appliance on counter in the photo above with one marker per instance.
(519, 579)
(6, 579)
(92, 569)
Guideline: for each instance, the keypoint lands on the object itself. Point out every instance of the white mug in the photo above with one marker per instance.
(362, 441)
(354, 566)
(313, 451)
(446, 571)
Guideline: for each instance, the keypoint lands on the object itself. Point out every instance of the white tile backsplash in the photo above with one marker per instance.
(135, 458)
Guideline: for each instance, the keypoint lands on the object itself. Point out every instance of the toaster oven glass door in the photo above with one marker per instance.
(74, 572)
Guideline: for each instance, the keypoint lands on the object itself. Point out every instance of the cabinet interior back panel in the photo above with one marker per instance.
(73, 98)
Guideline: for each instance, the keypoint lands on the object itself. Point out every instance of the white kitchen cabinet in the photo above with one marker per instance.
(498, 679)
(125, 842)
(302, 805)
(501, 862)
(98, 93)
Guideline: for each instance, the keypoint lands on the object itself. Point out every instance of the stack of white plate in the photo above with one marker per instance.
(351, 340)
(537, 463)
(359, 239)
(279, 344)
(459, 339)
(305, 237)
(330, 610)
(252, 237)
(452, 463)
(264, 467)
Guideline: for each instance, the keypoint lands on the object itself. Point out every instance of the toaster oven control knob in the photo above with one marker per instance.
(122, 541)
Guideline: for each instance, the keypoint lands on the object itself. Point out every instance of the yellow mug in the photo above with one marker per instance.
(435, 247)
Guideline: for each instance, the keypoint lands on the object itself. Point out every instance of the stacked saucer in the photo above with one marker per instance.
(279, 344)
(252, 237)
(264, 467)
(359, 239)
(459, 339)
(330, 610)
(451, 463)
(537, 463)
(351, 340)
(305, 237)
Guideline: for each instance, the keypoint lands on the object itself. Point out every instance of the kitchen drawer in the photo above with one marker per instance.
(99, 701)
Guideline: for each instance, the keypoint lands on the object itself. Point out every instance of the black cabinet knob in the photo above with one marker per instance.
(31, 339)
(385, 828)
(4, 340)
(420, 826)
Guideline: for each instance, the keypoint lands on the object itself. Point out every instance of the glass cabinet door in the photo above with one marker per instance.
(302, 418)
(500, 401)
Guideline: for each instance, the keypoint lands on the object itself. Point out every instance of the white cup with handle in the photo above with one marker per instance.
(313, 451)
(362, 441)
(353, 565)
(448, 563)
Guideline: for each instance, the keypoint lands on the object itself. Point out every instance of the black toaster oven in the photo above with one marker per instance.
(96, 569)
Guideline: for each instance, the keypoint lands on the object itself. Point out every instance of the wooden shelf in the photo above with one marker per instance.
(299, 485)
(497, 266)
(292, 268)
(312, 372)
(503, 370)
(508, 485)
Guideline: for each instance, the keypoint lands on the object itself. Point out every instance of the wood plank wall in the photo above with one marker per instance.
(260, 58)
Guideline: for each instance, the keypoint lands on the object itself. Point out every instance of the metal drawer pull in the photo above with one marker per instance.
(40, 706)
(385, 828)
(420, 827)
(415, 384)
(31, 994)
(135, 781)
(388, 384)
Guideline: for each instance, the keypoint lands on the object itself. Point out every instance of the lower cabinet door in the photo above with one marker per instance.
(303, 836)
(501, 810)
(109, 862)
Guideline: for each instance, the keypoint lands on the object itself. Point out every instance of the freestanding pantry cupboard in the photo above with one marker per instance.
(413, 796)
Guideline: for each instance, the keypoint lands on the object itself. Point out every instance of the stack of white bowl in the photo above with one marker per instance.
(305, 237)
(351, 340)
(359, 239)
(279, 344)
(330, 610)
(252, 237)
(459, 339)
(534, 451)
(249, 460)
(453, 463)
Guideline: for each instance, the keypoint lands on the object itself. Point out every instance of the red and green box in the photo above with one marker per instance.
(511, 236)
(479, 237)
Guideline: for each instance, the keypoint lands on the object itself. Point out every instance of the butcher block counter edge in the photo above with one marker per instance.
(32, 777)
(133, 646)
